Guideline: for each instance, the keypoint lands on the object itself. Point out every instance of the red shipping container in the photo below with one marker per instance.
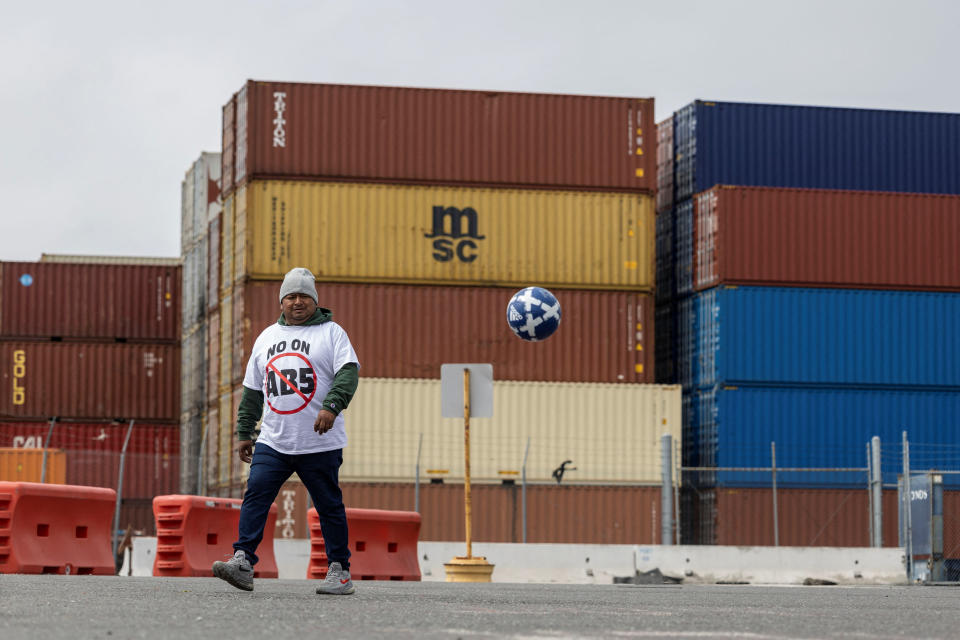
(90, 380)
(293, 130)
(152, 463)
(408, 331)
(807, 237)
(90, 301)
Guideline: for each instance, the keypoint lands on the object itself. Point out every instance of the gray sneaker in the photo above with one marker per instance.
(337, 582)
(237, 571)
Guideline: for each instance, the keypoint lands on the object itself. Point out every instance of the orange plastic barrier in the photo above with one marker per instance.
(63, 529)
(383, 545)
(193, 532)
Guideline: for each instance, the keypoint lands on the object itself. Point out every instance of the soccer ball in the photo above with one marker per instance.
(533, 314)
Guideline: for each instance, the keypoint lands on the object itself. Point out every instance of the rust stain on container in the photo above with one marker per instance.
(807, 237)
(90, 380)
(294, 130)
(604, 336)
(90, 301)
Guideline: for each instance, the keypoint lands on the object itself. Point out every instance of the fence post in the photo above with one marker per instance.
(773, 468)
(666, 490)
(116, 509)
(416, 482)
(908, 528)
(523, 489)
(876, 483)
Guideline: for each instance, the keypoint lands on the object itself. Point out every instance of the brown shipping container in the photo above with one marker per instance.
(90, 380)
(555, 514)
(90, 301)
(212, 364)
(806, 518)
(92, 450)
(408, 331)
(435, 136)
(805, 237)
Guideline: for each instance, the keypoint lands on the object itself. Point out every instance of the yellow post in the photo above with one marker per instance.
(467, 568)
(466, 459)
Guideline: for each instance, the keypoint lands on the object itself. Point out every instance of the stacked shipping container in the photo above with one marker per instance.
(812, 305)
(421, 212)
(93, 343)
(200, 206)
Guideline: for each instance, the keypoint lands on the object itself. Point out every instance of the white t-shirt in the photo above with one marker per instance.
(294, 367)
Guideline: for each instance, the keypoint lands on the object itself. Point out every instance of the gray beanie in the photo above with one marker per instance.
(299, 280)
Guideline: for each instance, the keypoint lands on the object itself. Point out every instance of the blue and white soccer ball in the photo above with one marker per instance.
(533, 314)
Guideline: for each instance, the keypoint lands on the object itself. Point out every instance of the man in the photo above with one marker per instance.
(307, 371)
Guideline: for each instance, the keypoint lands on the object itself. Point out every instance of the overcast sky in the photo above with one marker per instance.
(104, 105)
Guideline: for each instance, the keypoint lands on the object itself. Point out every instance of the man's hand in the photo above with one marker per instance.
(324, 421)
(245, 450)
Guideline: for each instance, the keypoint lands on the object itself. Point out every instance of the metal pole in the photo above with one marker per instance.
(877, 493)
(676, 498)
(666, 489)
(523, 489)
(116, 510)
(416, 484)
(773, 466)
(466, 459)
(908, 529)
(45, 445)
(201, 480)
(870, 496)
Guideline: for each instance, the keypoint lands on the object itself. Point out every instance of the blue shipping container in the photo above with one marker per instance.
(666, 284)
(824, 428)
(683, 247)
(815, 147)
(825, 337)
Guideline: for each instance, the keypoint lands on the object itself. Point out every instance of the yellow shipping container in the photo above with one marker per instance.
(26, 465)
(413, 234)
(226, 342)
(606, 433)
(226, 245)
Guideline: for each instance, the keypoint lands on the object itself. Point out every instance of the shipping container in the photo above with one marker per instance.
(815, 147)
(226, 243)
(201, 198)
(604, 336)
(226, 343)
(226, 439)
(213, 256)
(665, 270)
(195, 278)
(687, 364)
(294, 130)
(618, 444)
(561, 514)
(800, 237)
(32, 465)
(141, 261)
(210, 445)
(683, 247)
(193, 371)
(665, 343)
(191, 433)
(92, 453)
(90, 380)
(90, 301)
(665, 153)
(822, 429)
(805, 518)
(826, 337)
(212, 363)
(460, 236)
(228, 145)
(136, 514)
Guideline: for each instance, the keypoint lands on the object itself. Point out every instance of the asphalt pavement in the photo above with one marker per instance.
(72, 607)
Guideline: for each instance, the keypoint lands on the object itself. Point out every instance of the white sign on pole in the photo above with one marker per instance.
(481, 390)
